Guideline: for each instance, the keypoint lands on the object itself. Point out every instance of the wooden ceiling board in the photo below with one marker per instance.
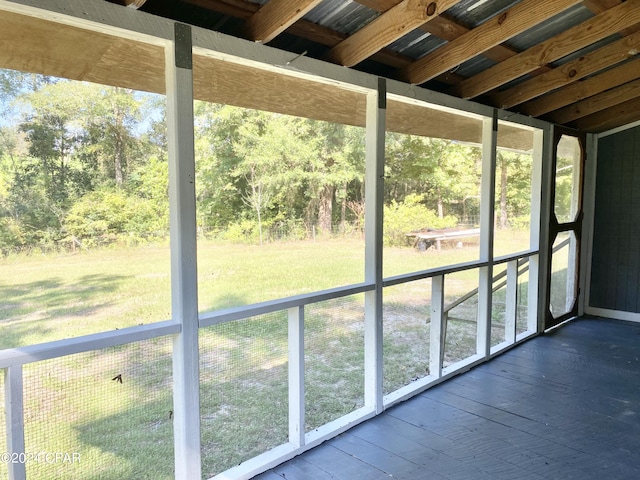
(36, 45)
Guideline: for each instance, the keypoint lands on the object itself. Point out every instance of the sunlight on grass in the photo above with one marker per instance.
(124, 430)
(111, 407)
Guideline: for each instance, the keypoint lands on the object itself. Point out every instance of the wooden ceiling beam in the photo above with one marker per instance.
(599, 6)
(622, 114)
(584, 89)
(445, 28)
(493, 32)
(387, 28)
(597, 103)
(308, 30)
(601, 26)
(274, 17)
(570, 72)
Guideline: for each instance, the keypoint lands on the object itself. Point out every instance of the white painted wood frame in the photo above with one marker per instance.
(538, 229)
(14, 418)
(374, 197)
(184, 278)
(487, 213)
(296, 377)
(437, 327)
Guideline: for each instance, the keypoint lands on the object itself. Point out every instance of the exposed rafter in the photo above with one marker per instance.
(597, 103)
(570, 72)
(601, 26)
(491, 33)
(621, 114)
(583, 89)
(387, 28)
(274, 17)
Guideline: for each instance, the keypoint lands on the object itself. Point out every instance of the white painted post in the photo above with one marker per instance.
(511, 302)
(184, 281)
(437, 331)
(296, 377)
(487, 209)
(374, 197)
(538, 230)
(14, 417)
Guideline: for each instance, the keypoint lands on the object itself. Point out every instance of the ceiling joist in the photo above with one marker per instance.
(584, 89)
(570, 72)
(597, 103)
(491, 33)
(274, 17)
(621, 114)
(386, 29)
(601, 26)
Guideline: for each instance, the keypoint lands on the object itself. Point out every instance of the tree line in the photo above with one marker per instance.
(86, 164)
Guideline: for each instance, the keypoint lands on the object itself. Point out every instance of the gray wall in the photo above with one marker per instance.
(615, 264)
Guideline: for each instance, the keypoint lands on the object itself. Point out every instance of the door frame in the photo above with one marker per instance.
(556, 227)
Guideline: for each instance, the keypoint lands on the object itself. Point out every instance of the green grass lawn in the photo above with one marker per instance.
(124, 430)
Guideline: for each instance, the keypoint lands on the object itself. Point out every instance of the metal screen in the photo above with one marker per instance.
(103, 414)
(407, 326)
(243, 390)
(334, 359)
(462, 320)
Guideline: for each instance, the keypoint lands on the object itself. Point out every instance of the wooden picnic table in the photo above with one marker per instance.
(423, 239)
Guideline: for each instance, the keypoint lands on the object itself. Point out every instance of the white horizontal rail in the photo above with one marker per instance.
(523, 255)
(86, 343)
(433, 272)
(262, 308)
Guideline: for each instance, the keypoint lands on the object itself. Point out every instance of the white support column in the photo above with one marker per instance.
(374, 198)
(437, 330)
(14, 417)
(538, 229)
(296, 377)
(184, 281)
(487, 209)
(511, 301)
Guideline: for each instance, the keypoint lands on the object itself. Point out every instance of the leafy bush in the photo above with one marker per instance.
(106, 216)
(11, 234)
(410, 216)
(242, 231)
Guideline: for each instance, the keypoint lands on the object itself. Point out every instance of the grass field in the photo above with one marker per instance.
(123, 429)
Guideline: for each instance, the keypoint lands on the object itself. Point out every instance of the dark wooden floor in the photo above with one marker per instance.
(561, 406)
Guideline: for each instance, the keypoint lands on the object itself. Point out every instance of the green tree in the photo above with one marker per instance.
(513, 187)
(441, 170)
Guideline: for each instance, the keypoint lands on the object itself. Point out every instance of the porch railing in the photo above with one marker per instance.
(294, 331)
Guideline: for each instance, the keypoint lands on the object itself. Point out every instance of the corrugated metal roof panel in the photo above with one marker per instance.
(344, 16)
(472, 13)
(549, 28)
(416, 44)
(474, 65)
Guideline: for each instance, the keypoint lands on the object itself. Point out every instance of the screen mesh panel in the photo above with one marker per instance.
(103, 414)
(407, 326)
(243, 390)
(334, 359)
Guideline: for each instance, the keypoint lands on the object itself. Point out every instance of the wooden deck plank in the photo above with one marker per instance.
(560, 406)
